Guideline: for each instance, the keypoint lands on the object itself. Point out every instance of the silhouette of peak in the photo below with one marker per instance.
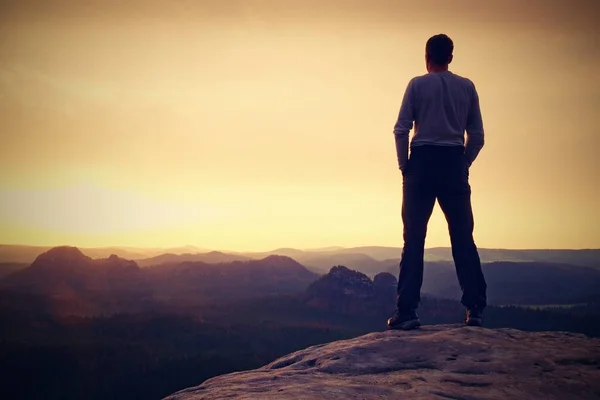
(340, 269)
(340, 272)
(65, 251)
(351, 292)
(277, 260)
(215, 253)
(287, 250)
(341, 282)
(385, 279)
(116, 262)
(65, 255)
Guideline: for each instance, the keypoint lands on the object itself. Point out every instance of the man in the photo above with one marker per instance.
(442, 106)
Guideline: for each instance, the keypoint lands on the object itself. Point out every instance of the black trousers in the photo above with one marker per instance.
(442, 173)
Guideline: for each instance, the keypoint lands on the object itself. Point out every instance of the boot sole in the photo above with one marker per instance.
(406, 326)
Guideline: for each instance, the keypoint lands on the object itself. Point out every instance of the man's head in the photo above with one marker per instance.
(438, 52)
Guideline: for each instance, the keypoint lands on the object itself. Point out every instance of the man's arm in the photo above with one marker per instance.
(475, 136)
(403, 125)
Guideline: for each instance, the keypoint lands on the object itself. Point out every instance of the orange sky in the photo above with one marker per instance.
(251, 125)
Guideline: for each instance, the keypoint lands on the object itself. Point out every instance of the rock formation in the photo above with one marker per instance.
(347, 291)
(435, 362)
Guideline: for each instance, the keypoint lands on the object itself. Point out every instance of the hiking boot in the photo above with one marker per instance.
(474, 317)
(404, 321)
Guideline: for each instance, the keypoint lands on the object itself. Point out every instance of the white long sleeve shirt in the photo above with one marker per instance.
(442, 106)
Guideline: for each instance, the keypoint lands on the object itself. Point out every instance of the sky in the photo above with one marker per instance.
(252, 125)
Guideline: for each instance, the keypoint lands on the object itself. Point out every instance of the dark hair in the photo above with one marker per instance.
(439, 49)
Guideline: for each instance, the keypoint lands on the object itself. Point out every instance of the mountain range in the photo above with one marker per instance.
(211, 257)
(66, 281)
(27, 254)
(107, 328)
(370, 260)
(73, 283)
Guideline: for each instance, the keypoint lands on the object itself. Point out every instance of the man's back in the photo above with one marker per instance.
(443, 102)
(443, 106)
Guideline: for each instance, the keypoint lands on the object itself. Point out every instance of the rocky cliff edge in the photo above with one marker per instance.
(435, 362)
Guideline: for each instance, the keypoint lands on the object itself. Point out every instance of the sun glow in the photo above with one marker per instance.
(259, 126)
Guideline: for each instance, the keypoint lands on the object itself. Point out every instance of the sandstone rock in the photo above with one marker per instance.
(342, 290)
(435, 362)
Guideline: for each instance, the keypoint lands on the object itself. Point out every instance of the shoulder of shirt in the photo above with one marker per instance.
(418, 78)
(465, 80)
(414, 81)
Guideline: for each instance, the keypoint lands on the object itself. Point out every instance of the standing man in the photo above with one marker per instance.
(443, 106)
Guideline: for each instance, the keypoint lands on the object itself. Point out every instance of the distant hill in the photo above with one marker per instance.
(191, 282)
(374, 259)
(358, 261)
(123, 252)
(329, 248)
(27, 254)
(376, 252)
(213, 257)
(20, 254)
(67, 282)
(584, 258)
(341, 290)
(138, 253)
(73, 283)
(283, 251)
(322, 259)
(191, 278)
(66, 269)
(519, 282)
(350, 292)
(7, 268)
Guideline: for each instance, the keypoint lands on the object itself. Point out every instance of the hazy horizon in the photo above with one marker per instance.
(253, 125)
(202, 249)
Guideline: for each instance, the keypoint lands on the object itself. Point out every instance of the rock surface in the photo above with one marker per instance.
(435, 362)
